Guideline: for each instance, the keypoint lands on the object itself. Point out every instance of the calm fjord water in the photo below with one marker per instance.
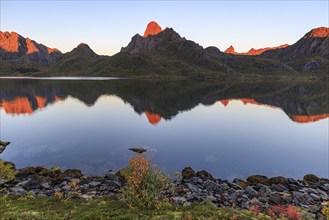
(232, 129)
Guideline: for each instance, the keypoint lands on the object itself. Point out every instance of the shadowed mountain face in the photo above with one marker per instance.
(301, 101)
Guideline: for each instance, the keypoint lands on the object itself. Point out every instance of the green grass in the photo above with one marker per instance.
(108, 208)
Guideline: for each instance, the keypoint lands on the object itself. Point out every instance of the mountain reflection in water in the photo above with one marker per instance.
(303, 102)
(232, 128)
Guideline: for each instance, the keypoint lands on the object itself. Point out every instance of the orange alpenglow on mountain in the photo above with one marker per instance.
(152, 29)
(31, 47)
(153, 118)
(20, 105)
(254, 52)
(308, 118)
(9, 41)
(318, 32)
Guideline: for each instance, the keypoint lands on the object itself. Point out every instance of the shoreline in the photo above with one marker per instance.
(191, 188)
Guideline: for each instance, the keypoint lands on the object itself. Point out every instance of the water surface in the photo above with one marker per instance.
(232, 129)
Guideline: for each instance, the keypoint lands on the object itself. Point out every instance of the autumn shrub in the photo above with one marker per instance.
(325, 209)
(285, 212)
(7, 171)
(145, 184)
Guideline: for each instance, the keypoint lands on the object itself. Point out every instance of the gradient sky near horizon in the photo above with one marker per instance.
(109, 25)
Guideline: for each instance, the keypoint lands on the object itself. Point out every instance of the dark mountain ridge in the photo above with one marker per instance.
(164, 53)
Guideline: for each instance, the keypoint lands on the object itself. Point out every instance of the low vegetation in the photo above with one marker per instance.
(142, 197)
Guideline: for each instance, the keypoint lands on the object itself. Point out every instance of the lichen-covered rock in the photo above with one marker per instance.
(311, 178)
(188, 173)
(258, 179)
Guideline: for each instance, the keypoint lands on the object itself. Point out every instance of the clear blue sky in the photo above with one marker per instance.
(109, 25)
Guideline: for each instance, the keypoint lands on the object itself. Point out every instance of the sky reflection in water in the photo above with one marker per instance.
(230, 141)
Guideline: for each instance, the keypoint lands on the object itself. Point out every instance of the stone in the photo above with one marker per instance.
(315, 197)
(278, 180)
(311, 178)
(238, 193)
(240, 182)
(188, 173)
(204, 175)
(46, 185)
(211, 198)
(251, 191)
(196, 180)
(110, 175)
(265, 191)
(75, 173)
(212, 186)
(322, 194)
(193, 188)
(86, 196)
(17, 191)
(278, 188)
(258, 179)
(224, 186)
(94, 183)
(255, 202)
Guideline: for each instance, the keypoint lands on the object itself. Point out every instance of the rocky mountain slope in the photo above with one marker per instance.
(164, 53)
(15, 47)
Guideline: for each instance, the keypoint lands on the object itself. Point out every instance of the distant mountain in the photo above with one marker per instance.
(309, 53)
(164, 53)
(76, 60)
(252, 51)
(170, 45)
(15, 47)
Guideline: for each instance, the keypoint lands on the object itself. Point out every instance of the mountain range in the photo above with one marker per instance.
(163, 52)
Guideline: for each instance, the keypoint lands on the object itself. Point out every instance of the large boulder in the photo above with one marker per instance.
(258, 179)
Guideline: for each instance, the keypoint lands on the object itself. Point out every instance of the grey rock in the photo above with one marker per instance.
(17, 191)
(193, 188)
(94, 183)
(278, 188)
(236, 194)
(265, 191)
(211, 198)
(196, 180)
(251, 191)
(315, 197)
(86, 196)
(46, 185)
(110, 175)
(322, 194)
(255, 202)
(211, 186)
(224, 186)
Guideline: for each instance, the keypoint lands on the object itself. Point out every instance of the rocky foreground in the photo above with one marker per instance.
(193, 187)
